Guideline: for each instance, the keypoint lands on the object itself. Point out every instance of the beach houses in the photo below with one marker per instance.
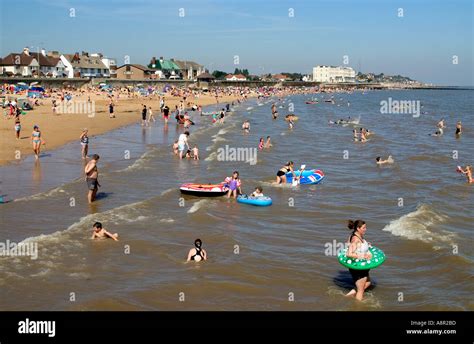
(20, 64)
(333, 74)
(236, 77)
(189, 70)
(85, 65)
(50, 65)
(165, 69)
(135, 72)
(281, 77)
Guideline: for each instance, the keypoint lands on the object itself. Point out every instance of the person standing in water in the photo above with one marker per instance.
(84, 143)
(458, 129)
(268, 144)
(281, 174)
(441, 126)
(468, 172)
(166, 113)
(144, 112)
(150, 115)
(37, 141)
(261, 144)
(183, 143)
(92, 175)
(196, 152)
(246, 126)
(197, 253)
(234, 185)
(102, 233)
(274, 111)
(358, 249)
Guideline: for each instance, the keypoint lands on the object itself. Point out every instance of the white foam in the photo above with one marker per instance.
(249, 108)
(167, 220)
(139, 163)
(128, 213)
(167, 191)
(198, 205)
(218, 139)
(211, 157)
(42, 195)
(420, 225)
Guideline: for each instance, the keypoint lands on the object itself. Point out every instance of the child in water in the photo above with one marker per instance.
(175, 147)
(196, 152)
(102, 233)
(261, 144)
(258, 192)
(468, 172)
(234, 185)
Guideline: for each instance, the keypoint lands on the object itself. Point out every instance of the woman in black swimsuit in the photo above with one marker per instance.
(197, 253)
(281, 174)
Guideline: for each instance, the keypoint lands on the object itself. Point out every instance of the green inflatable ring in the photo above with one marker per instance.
(378, 257)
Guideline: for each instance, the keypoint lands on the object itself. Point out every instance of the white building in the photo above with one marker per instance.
(235, 77)
(85, 65)
(111, 65)
(333, 74)
(50, 64)
(22, 64)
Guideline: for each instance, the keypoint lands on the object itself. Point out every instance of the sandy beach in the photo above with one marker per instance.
(60, 128)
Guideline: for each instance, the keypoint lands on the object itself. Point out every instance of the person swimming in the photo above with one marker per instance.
(197, 253)
(281, 174)
(380, 161)
(358, 249)
(261, 144)
(102, 233)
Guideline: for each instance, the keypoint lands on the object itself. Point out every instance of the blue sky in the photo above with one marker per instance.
(421, 44)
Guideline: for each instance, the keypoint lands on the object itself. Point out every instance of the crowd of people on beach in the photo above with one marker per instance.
(358, 247)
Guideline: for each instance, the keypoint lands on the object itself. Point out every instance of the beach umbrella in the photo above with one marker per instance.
(34, 83)
(22, 83)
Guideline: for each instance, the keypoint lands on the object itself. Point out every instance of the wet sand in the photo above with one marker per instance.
(60, 128)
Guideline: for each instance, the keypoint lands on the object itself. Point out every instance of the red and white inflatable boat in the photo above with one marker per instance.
(204, 190)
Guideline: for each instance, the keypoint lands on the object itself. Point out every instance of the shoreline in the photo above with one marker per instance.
(61, 129)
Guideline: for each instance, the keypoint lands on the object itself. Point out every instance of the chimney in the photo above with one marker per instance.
(43, 52)
(161, 58)
(26, 51)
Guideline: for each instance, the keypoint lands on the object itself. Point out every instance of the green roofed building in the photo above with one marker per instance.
(166, 68)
